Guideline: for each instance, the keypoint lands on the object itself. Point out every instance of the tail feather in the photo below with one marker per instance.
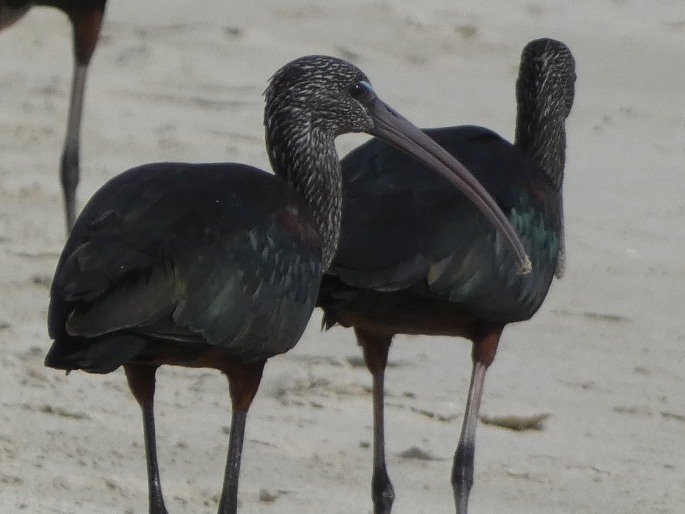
(94, 356)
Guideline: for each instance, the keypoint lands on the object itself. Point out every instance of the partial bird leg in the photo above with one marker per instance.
(141, 380)
(484, 350)
(86, 32)
(376, 348)
(243, 382)
(69, 170)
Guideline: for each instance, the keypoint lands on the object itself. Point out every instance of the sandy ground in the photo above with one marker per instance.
(179, 80)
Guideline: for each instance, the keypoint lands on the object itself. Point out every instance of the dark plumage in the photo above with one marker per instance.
(218, 265)
(86, 18)
(416, 258)
(140, 238)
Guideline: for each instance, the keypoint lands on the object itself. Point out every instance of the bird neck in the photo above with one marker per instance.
(308, 161)
(542, 134)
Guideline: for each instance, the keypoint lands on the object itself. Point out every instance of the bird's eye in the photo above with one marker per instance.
(360, 89)
(357, 90)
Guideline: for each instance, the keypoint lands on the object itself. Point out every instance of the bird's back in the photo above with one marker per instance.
(408, 238)
(189, 257)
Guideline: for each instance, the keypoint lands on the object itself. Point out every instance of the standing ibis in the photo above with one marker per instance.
(218, 265)
(86, 18)
(416, 258)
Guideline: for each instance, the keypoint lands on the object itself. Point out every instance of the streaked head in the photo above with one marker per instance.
(313, 99)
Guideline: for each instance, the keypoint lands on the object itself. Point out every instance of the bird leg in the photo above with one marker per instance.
(376, 348)
(484, 350)
(141, 380)
(243, 382)
(69, 170)
(86, 32)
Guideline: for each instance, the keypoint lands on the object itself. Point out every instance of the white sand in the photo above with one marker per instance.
(181, 80)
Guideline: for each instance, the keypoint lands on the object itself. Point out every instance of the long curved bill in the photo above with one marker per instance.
(397, 130)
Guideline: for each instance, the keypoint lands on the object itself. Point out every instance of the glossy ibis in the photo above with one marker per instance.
(416, 258)
(86, 18)
(218, 265)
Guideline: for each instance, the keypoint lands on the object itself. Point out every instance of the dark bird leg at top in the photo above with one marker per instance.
(483, 354)
(141, 381)
(86, 19)
(86, 22)
(376, 348)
